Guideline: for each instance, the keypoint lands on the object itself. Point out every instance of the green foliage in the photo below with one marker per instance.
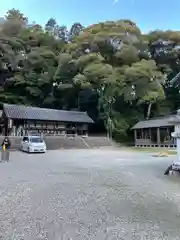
(120, 128)
(109, 69)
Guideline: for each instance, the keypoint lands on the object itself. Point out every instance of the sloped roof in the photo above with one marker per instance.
(35, 113)
(175, 119)
(156, 122)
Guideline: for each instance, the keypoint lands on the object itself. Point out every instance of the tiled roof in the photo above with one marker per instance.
(156, 122)
(35, 113)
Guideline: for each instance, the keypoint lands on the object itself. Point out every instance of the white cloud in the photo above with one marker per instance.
(115, 1)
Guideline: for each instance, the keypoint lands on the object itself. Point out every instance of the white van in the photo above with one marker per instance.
(33, 144)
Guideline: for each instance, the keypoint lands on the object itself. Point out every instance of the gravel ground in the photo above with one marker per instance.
(88, 194)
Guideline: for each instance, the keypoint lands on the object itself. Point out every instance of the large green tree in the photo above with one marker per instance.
(111, 70)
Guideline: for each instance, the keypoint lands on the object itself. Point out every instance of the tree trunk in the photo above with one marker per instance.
(149, 110)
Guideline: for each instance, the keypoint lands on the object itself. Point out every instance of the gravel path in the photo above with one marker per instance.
(88, 194)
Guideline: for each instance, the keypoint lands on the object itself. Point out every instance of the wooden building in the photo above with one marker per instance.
(155, 132)
(20, 120)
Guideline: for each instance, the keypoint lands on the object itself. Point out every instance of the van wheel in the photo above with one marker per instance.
(28, 150)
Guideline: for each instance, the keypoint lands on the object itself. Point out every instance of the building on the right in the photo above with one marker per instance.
(155, 132)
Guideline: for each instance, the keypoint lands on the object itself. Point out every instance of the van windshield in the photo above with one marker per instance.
(36, 140)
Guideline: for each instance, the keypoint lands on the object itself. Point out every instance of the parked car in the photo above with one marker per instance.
(33, 144)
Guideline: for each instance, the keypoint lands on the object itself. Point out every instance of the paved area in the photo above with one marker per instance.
(88, 194)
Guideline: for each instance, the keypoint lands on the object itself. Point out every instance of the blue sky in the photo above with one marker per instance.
(148, 14)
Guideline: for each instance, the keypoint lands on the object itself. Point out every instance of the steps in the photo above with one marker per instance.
(78, 142)
(66, 142)
(98, 142)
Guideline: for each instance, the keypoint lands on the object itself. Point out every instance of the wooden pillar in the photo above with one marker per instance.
(135, 136)
(158, 136)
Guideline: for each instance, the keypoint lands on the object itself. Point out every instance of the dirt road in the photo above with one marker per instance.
(88, 194)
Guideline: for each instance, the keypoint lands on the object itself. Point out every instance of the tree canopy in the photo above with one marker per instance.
(111, 69)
